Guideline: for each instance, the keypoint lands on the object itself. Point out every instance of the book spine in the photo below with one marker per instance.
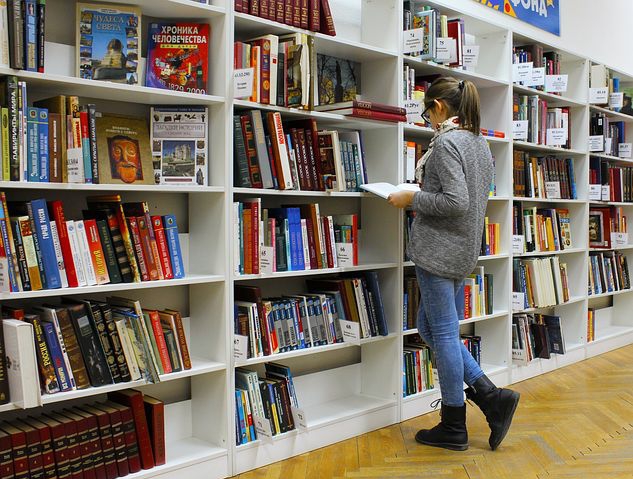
(163, 249)
(119, 247)
(47, 248)
(117, 347)
(32, 146)
(92, 134)
(106, 344)
(155, 412)
(315, 15)
(161, 344)
(21, 254)
(41, 34)
(109, 254)
(56, 356)
(59, 258)
(138, 248)
(131, 444)
(153, 268)
(75, 250)
(30, 35)
(4, 121)
(173, 242)
(96, 252)
(327, 25)
(16, 34)
(128, 351)
(182, 340)
(54, 148)
(42, 145)
(48, 378)
(11, 86)
(84, 137)
(241, 167)
(135, 402)
(84, 250)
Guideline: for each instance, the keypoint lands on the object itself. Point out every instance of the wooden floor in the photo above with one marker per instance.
(573, 423)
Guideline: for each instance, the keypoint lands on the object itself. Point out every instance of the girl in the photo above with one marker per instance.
(455, 174)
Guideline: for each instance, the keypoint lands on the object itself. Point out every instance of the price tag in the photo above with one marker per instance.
(267, 259)
(518, 301)
(616, 100)
(619, 239)
(538, 77)
(240, 347)
(556, 136)
(299, 416)
(606, 193)
(522, 72)
(556, 83)
(624, 150)
(345, 254)
(243, 83)
(599, 96)
(595, 192)
(596, 143)
(413, 40)
(414, 111)
(443, 50)
(262, 428)
(607, 144)
(471, 56)
(518, 244)
(552, 190)
(520, 129)
(351, 331)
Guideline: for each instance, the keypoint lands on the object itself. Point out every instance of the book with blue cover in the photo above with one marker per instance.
(173, 244)
(45, 240)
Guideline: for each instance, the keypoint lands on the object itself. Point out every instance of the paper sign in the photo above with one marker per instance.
(345, 254)
(240, 347)
(616, 100)
(243, 83)
(351, 331)
(599, 96)
(300, 419)
(596, 143)
(624, 150)
(556, 83)
(518, 301)
(471, 56)
(556, 136)
(518, 244)
(595, 192)
(606, 193)
(538, 77)
(520, 129)
(552, 190)
(413, 40)
(266, 259)
(522, 72)
(414, 111)
(443, 50)
(619, 239)
(262, 428)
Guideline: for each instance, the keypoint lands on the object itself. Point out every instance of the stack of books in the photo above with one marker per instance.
(366, 109)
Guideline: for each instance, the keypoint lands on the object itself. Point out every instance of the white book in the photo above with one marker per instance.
(4, 35)
(84, 252)
(236, 238)
(61, 266)
(49, 315)
(128, 351)
(76, 252)
(383, 189)
(362, 309)
(332, 241)
(306, 248)
(22, 372)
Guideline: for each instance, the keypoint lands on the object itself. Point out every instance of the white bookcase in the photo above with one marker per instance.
(344, 389)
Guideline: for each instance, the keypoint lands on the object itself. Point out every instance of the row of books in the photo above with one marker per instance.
(541, 120)
(616, 180)
(536, 336)
(86, 343)
(418, 373)
(608, 272)
(604, 223)
(23, 33)
(112, 438)
(114, 243)
(601, 77)
(280, 324)
(413, 151)
(473, 345)
(271, 399)
(490, 239)
(534, 54)
(59, 140)
(543, 229)
(414, 88)
(292, 238)
(612, 132)
(313, 15)
(543, 176)
(543, 281)
(295, 156)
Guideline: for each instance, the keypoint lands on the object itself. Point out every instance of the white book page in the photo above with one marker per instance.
(385, 189)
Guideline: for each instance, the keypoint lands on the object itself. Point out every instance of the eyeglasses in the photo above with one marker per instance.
(425, 114)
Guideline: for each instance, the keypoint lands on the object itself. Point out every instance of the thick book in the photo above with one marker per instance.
(163, 248)
(73, 446)
(19, 447)
(155, 413)
(157, 340)
(56, 210)
(94, 450)
(22, 363)
(129, 434)
(96, 316)
(106, 440)
(46, 447)
(84, 251)
(115, 340)
(6, 456)
(56, 351)
(173, 243)
(21, 254)
(241, 170)
(179, 330)
(118, 437)
(111, 261)
(59, 445)
(97, 254)
(47, 247)
(33, 449)
(49, 383)
(9, 98)
(141, 252)
(16, 34)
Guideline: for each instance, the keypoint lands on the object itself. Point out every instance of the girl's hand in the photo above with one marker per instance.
(401, 199)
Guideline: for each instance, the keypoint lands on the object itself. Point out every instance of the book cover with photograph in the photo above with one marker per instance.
(339, 79)
(178, 56)
(179, 137)
(123, 150)
(108, 42)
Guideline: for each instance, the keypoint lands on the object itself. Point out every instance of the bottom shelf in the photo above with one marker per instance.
(611, 331)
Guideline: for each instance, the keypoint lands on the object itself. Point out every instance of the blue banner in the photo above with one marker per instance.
(543, 14)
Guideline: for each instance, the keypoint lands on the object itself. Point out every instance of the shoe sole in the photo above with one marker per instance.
(507, 420)
(444, 445)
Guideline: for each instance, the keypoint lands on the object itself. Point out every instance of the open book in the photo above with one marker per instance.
(385, 189)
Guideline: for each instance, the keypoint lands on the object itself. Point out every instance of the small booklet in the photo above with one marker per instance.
(385, 189)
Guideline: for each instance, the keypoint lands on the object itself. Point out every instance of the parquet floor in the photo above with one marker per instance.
(573, 423)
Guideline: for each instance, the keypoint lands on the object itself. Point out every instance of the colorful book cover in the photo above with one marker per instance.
(338, 79)
(179, 137)
(173, 242)
(42, 132)
(109, 42)
(177, 56)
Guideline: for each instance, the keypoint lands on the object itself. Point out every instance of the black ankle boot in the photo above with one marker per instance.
(497, 404)
(450, 433)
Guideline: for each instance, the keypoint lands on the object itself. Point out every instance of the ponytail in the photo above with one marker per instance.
(461, 98)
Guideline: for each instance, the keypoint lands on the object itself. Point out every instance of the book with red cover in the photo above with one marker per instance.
(254, 206)
(288, 11)
(33, 449)
(84, 442)
(106, 441)
(118, 437)
(315, 15)
(94, 443)
(163, 249)
(6, 456)
(151, 260)
(141, 209)
(264, 9)
(60, 443)
(18, 445)
(73, 447)
(96, 252)
(253, 9)
(56, 210)
(134, 399)
(157, 329)
(129, 435)
(249, 142)
(135, 236)
(327, 20)
(155, 413)
(455, 29)
(296, 13)
(281, 10)
(362, 105)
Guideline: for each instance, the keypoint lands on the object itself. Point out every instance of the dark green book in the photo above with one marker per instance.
(172, 348)
(108, 250)
(240, 161)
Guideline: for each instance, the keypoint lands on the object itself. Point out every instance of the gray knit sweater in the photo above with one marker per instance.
(446, 234)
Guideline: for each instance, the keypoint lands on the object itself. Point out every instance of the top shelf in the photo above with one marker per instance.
(175, 8)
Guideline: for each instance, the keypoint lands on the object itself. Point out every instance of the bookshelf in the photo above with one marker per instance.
(344, 389)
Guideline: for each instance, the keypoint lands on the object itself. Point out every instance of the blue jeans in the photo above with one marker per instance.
(441, 307)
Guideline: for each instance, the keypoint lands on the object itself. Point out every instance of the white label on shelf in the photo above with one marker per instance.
(351, 331)
(518, 244)
(345, 254)
(619, 239)
(443, 50)
(522, 72)
(414, 111)
(518, 301)
(520, 129)
(616, 100)
(596, 143)
(606, 193)
(537, 79)
(556, 136)
(242, 82)
(74, 165)
(471, 56)
(624, 150)
(266, 263)
(607, 144)
(240, 347)
(413, 40)
(556, 83)
(599, 96)
(552, 190)
(299, 416)
(262, 428)
(595, 192)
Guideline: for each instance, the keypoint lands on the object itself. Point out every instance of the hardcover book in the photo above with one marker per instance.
(108, 42)
(339, 79)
